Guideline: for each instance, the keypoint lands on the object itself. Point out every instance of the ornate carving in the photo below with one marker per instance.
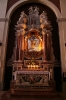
(33, 18)
(33, 23)
(23, 18)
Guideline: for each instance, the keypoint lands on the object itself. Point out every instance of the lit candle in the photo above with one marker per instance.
(37, 66)
(28, 67)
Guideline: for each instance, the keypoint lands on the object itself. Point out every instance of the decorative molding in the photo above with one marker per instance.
(33, 20)
(61, 20)
(4, 19)
(45, 2)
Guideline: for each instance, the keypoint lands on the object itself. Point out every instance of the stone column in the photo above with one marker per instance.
(19, 48)
(48, 46)
(15, 48)
(19, 44)
(44, 45)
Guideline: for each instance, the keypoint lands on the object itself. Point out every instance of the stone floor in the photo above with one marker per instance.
(63, 94)
(1, 92)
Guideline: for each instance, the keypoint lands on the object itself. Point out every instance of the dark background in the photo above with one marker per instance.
(11, 39)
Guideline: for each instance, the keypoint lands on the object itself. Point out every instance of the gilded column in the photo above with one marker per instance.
(22, 44)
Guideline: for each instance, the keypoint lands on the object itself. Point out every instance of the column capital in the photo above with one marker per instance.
(44, 32)
(4, 19)
(61, 20)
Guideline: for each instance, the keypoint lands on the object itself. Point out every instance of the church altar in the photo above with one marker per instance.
(33, 58)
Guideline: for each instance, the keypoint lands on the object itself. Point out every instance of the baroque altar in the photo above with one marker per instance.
(33, 58)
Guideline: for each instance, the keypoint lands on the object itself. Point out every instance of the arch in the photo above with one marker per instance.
(45, 2)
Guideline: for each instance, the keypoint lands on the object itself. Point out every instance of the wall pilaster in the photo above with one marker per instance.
(3, 7)
(63, 20)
